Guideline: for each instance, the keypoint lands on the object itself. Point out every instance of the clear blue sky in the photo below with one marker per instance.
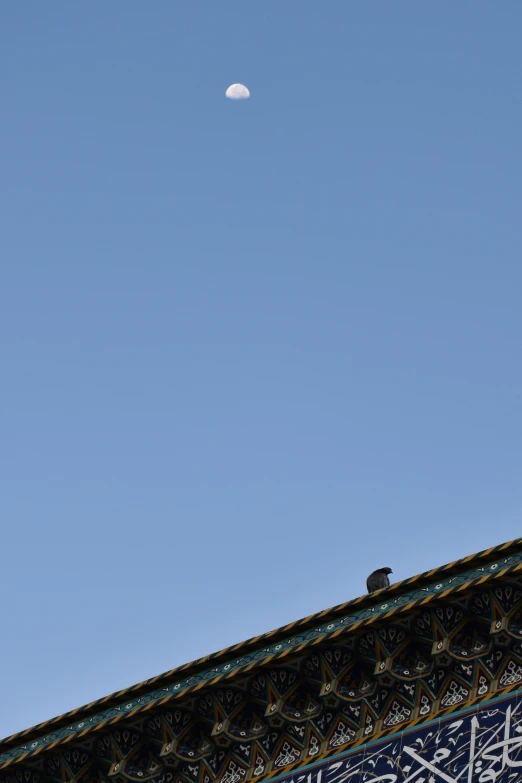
(250, 351)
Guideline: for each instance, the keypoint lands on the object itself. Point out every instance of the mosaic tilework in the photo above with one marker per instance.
(479, 745)
(387, 608)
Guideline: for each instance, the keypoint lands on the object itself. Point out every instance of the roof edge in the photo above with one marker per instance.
(255, 642)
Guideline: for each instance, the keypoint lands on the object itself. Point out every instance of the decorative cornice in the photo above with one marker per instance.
(234, 662)
(375, 750)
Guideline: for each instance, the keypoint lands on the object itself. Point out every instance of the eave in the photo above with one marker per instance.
(234, 663)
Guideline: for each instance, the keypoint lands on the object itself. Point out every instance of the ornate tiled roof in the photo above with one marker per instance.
(368, 664)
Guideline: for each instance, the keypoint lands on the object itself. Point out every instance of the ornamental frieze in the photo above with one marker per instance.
(362, 675)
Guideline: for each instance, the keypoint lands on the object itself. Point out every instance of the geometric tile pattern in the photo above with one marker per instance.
(363, 670)
(478, 745)
(319, 702)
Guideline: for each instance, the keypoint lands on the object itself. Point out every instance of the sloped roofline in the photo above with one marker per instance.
(370, 611)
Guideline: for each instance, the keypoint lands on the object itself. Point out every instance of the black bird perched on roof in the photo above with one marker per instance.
(378, 580)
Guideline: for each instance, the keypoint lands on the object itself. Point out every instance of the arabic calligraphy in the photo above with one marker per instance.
(480, 746)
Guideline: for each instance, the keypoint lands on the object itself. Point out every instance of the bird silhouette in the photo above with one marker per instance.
(378, 580)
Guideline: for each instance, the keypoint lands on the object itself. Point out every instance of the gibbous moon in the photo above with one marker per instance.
(237, 92)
